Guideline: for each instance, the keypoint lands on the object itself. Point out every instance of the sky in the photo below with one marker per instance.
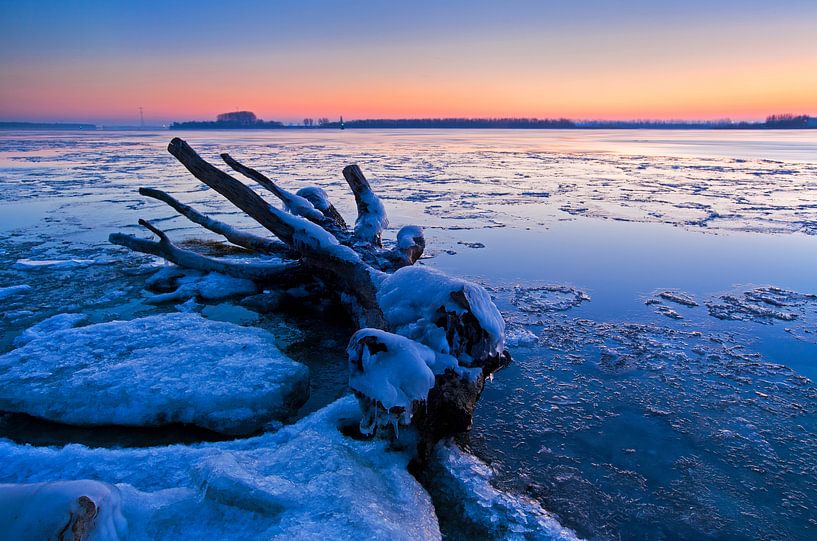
(99, 61)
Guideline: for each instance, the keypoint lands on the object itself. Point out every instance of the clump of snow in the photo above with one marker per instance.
(13, 291)
(306, 481)
(49, 325)
(311, 238)
(464, 496)
(81, 509)
(155, 370)
(54, 264)
(450, 315)
(190, 284)
(406, 237)
(369, 224)
(316, 196)
(391, 372)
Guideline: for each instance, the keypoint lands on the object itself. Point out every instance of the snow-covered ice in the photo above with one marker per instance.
(307, 481)
(62, 510)
(461, 486)
(48, 326)
(169, 368)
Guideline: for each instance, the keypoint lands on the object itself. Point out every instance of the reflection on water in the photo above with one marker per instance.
(677, 402)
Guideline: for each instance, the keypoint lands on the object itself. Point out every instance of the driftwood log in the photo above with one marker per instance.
(312, 242)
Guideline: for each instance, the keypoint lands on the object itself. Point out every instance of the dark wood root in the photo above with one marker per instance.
(371, 216)
(294, 203)
(251, 242)
(165, 249)
(450, 406)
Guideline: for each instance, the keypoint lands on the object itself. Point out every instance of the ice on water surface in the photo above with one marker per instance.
(619, 418)
(171, 368)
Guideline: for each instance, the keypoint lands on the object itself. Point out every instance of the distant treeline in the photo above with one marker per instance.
(461, 123)
(221, 125)
(772, 122)
(44, 126)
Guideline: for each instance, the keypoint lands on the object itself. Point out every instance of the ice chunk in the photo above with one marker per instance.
(12, 291)
(155, 370)
(62, 510)
(518, 336)
(461, 486)
(49, 325)
(54, 264)
(306, 481)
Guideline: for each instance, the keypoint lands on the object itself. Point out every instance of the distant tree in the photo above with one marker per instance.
(308, 122)
(323, 121)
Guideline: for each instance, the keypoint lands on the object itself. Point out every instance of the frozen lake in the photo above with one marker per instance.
(659, 289)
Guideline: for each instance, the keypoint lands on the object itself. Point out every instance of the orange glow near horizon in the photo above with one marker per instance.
(703, 70)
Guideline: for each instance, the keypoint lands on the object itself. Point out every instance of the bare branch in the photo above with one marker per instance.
(249, 241)
(164, 248)
(236, 192)
(295, 204)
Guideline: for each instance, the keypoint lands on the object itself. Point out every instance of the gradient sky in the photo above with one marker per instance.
(100, 60)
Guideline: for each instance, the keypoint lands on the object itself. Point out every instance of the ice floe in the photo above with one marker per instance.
(762, 305)
(54, 264)
(169, 368)
(13, 291)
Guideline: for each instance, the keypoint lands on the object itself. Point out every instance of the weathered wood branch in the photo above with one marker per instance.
(294, 203)
(371, 215)
(164, 248)
(246, 240)
(235, 191)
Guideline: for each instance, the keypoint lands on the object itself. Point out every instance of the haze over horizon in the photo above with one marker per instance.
(94, 61)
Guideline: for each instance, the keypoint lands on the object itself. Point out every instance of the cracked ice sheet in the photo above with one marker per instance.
(306, 481)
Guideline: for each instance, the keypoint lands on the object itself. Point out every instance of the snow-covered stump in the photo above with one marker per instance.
(428, 341)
